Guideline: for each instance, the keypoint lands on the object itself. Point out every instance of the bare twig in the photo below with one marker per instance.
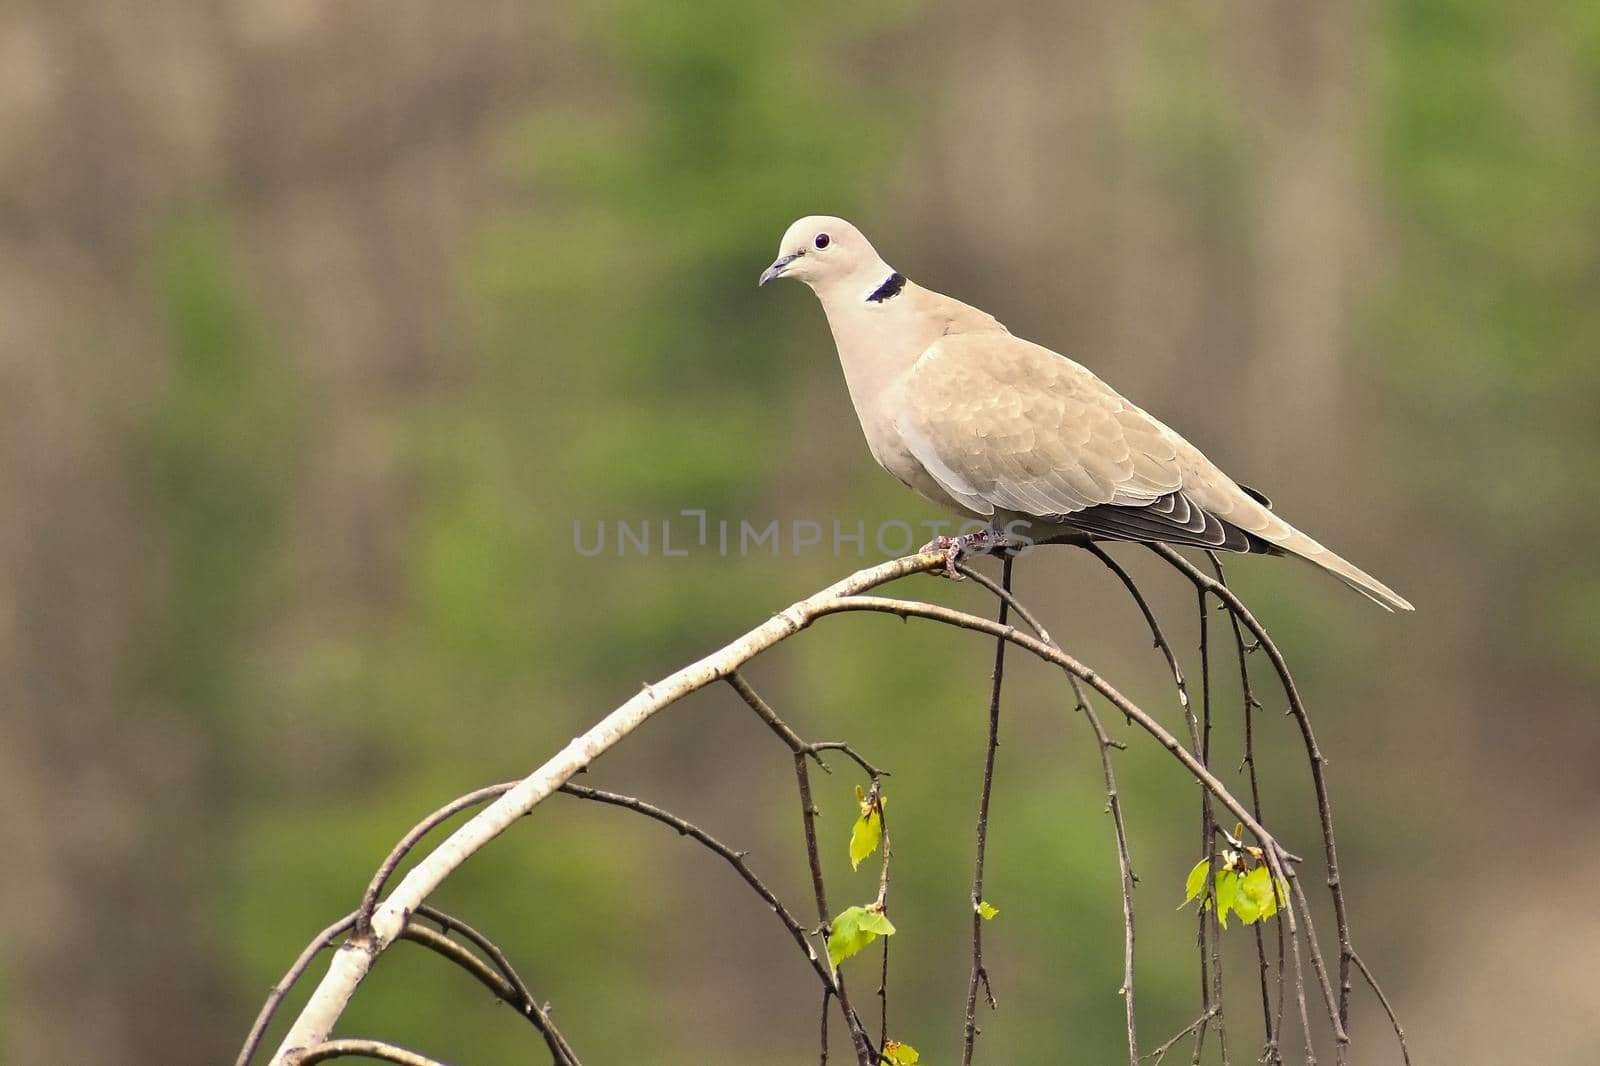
(827, 994)
(1195, 1026)
(363, 1049)
(1272, 1022)
(1316, 961)
(1206, 930)
(495, 982)
(1300, 990)
(1104, 745)
(979, 974)
(349, 968)
(1124, 863)
(1399, 1033)
(1126, 707)
(764, 711)
(524, 1000)
(733, 858)
(389, 918)
(1313, 755)
(885, 849)
(398, 853)
(275, 997)
(808, 813)
(1207, 825)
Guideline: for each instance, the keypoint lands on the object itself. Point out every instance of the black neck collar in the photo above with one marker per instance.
(889, 289)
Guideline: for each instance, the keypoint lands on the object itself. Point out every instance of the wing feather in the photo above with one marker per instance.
(998, 419)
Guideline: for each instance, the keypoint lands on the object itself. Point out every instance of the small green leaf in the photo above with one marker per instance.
(864, 836)
(853, 930)
(898, 1054)
(1195, 883)
(987, 910)
(1227, 895)
(878, 923)
(1257, 900)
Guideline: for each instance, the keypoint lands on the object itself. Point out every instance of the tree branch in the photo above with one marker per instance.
(376, 927)
(997, 680)
(1313, 755)
(365, 1049)
(354, 961)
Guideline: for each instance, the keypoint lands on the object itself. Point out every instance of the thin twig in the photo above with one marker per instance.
(808, 813)
(997, 679)
(363, 1049)
(1207, 825)
(1207, 929)
(1104, 745)
(525, 1000)
(886, 850)
(764, 711)
(1195, 1026)
(827, 994)
(733, 858)
(1313, 755)
(1300, 991)
(1006, 597)
(495, 982)
(1124, 706)
(348, 969)
(1124, 863)
(397, 854)
(1271, 1053)
(275, 997)
(1399, 1033)
(1316, 960)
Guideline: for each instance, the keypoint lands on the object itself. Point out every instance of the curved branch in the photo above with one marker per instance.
(350, 967)
(1130, 710)
(1314, 755)
(354, 961)
(520, 997)
(808, 812)
(275, 998)
(495, 982)
(1104, 744)
(364, 1049)
(727, 854)
(398, 853)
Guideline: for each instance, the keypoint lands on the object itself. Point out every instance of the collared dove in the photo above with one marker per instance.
(1007, 432)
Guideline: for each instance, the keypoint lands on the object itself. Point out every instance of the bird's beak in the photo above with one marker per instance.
(775, 271)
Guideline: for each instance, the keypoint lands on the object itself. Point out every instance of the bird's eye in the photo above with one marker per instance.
(821, 242)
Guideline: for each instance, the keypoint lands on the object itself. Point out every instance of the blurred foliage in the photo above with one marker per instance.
(1486, 135)
(222, 449)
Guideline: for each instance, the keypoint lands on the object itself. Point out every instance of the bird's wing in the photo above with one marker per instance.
(1004, 424)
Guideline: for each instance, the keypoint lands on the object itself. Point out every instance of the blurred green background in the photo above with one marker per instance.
(321, 324)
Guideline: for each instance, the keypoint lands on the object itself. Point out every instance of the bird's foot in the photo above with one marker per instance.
(952, 549)
(982, 542)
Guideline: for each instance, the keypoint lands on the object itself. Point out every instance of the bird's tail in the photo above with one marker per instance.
(1298, 544)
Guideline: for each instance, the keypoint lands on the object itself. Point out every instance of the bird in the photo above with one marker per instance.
(1015, 436)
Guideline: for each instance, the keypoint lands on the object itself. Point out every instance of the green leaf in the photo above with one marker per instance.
(853, 930)
(1196, 881)
(987, 910)
(898, 1054)
(865, 834)
(1257, 900)
(1227, 895)
(878, 923)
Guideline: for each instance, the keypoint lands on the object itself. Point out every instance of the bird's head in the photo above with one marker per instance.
(822, 250)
